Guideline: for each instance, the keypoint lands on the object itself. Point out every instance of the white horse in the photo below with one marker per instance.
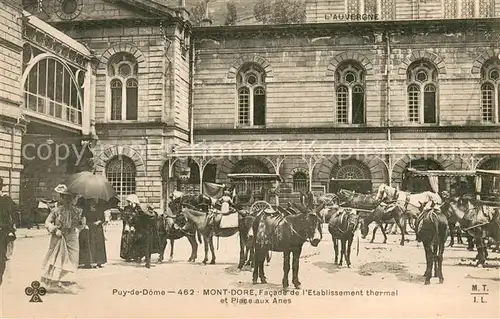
(412, 204)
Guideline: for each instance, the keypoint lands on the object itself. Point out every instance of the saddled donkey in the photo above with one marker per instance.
(277, 232)
(410, 203)
(208, 224)
(455, 224)
(247, 252)
(342, 226)
(382, 214)
(173, 227)
(480, 221)
(431, 228)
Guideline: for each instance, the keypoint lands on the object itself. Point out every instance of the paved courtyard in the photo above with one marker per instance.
(385, 281)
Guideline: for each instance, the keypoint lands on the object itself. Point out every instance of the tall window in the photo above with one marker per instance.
(122, 75)
(121, 173)
(468, 8)
(490, 91)
(300, 182)
(422, 93)
(486, 8)
(450, 9)
(55, 89)
(350, 79)
(251, 96)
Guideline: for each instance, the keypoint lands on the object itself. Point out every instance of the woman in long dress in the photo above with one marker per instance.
(63, 223)
(128, 245)
(92, 243)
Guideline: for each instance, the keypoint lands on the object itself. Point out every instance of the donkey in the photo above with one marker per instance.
(432, 230)
(342, 226)
(383, 213)
(479, 221)
(287, 234)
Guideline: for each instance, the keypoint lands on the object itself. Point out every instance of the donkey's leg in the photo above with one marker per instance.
(435, 252)
(383, 233)
(295, 267)
(256, 263)
(401, 223)
(441, 246)
(348, 252)
(205, 242)
(342, 249)
(453, 233)
(262, 275)
(243, 251)
(429, 260)
(163, 246)
(171, 257)
(377, 225)
(194, 248)
(212, 250)
(286, 268)
(336, 249)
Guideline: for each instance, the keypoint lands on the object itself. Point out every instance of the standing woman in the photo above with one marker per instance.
(63, 223)
(92, 245)
(128, 247)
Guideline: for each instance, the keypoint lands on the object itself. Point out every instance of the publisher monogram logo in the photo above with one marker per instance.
(35, 291)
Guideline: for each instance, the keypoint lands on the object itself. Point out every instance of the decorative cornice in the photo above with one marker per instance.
(361, 28)
(118, 22)
(10, 45)
(101, 128)
(330, 130)
(53, 45)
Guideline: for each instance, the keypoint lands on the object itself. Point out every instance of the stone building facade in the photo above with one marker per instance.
(422, 93)
(326, 104)
(45, 104)
(11, 125)
(142, 88)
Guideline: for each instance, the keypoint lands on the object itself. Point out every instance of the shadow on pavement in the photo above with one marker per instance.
(329, 267)
(396, 268)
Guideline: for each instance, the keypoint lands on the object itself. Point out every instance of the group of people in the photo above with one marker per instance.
(140, 234)
(77, 238)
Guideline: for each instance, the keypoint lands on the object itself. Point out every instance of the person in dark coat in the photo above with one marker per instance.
(128, 249)
(147, 234)
(7, 228)
(92, 242)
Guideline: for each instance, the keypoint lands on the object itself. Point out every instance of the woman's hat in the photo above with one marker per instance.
(62, 189)
(133, 199)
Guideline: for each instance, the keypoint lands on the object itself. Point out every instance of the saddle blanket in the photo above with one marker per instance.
(229, 221)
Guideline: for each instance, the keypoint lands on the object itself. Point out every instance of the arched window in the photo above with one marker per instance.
(300, 182)
(251, 96)
(490, 88)
(121, 173)
(55, 89)
(422, 93)
(122, 75)
(350, 79)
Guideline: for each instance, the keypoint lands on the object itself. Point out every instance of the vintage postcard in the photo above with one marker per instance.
(249, 158)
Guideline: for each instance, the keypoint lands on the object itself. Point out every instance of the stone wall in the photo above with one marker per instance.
(320, 11)
(300, 75)
(10, 97)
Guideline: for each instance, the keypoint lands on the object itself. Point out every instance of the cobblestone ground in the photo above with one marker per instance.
(378, 268)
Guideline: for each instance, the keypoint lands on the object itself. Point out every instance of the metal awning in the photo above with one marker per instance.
(338, 147)
(483, 172)
(254, 176)
(414, 172)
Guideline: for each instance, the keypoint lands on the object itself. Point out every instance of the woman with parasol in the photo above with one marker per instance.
(92, 242)
(63, 223)
(97, 194)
